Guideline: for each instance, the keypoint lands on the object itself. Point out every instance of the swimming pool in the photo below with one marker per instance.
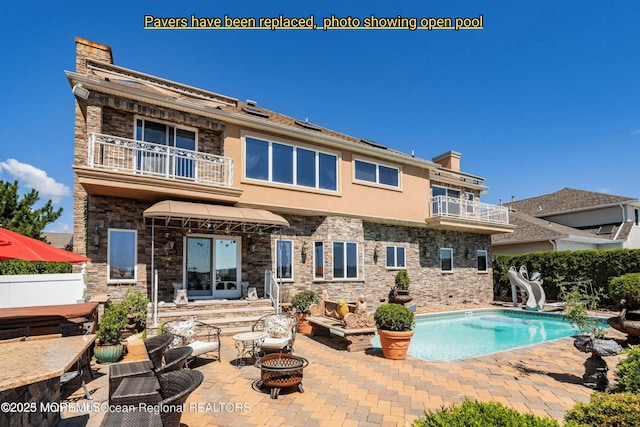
(461, 335)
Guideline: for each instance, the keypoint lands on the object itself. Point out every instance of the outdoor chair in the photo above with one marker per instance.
(7, 334)
(281, 332)
(86, 328)
(199, 336)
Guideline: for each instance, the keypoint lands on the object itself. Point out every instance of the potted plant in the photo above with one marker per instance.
(301, 303)
(135, 305)
(578, 301)
(399, 293)
(395, 324)
(625, 290)
(108, 349)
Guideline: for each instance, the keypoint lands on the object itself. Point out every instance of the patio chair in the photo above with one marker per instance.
(201, 337)
(281, 332)
(7, 334)
(70, 329)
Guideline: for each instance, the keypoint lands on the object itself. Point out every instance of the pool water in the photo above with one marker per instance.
(461, 335)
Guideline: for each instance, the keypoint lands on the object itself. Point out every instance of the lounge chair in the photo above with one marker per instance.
(281, 332)
(201, 337)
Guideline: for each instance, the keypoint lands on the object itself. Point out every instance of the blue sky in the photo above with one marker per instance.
(546, 96)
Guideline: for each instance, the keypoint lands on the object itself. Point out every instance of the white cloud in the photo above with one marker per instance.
(31, 177)
(636, 132)
(605, 190)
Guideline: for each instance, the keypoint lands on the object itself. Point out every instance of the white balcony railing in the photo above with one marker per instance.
(459, 208)
(146, 158)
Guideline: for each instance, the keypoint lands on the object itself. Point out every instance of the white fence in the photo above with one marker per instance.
(26, 290)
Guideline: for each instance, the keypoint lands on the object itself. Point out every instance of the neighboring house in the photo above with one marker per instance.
(60, 240)
(209, 191)
(571, 219)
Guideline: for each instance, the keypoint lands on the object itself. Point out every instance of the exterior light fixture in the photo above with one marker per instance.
(468, 254)
(376, 251)
(170, 243)
(304, 252)
(96, 237)
(80, 91)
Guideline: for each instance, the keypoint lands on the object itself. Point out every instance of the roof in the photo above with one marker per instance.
(565, 200)
(60, 240)
(531, 229)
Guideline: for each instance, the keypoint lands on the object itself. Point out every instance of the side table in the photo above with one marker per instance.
(248, 344)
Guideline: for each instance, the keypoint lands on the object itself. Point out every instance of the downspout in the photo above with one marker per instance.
(624, 219)
(553, 244)
(154, 283)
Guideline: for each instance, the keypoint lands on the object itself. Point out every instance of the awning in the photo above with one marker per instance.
(214, 218)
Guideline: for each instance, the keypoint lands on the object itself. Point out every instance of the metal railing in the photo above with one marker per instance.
(272, 289)
(459, 208)
(146, 158)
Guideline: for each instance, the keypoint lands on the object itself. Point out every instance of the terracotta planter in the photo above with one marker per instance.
(395, 344)
(108, 353)
(304, 327)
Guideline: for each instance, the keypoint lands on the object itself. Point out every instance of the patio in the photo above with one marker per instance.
(358, 389)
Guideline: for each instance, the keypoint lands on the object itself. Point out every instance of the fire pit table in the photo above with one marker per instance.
(281, 370)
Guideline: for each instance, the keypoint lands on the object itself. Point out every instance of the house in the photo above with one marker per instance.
(60, 240)
(571, 219)
(205, 191)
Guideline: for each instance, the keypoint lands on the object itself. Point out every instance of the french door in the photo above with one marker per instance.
(212, 267)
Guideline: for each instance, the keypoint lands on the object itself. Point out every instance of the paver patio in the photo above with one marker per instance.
(364, 389)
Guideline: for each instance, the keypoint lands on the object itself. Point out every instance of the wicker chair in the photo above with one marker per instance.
(207, 337)
(281, 332)
(156, 347)
(175, 388)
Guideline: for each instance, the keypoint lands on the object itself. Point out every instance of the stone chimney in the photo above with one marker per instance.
(86, 49)
(449, 160)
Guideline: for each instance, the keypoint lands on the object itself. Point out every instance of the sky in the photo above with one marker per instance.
(545, 95)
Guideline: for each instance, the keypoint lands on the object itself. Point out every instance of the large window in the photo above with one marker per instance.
(318, 260)
(395, 257)
(153, 161)
(446, 207)
(481, 258)
(378, 174)
(345, 260)
(122, 256)
(284, 259)
(446, 259)
(288, 164)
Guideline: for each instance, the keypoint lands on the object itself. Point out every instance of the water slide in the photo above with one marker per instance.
(531, 286)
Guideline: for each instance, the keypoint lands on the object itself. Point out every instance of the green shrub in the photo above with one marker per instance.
(628, 371)
(485, 414)
(626, 287)
(136, 305)
(112, 322)
(606, 410)
(303, 300)
(15, 266)
(402, 279)
(394, 317)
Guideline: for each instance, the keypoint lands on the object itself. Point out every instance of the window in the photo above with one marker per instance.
(395, 257)
(481, 258)
(284, 259)
(379, 174)
(161, 162)
(446, 259)
(122, 255)
(446, 206)
(318, 260)
(345, 260)
(288, 164)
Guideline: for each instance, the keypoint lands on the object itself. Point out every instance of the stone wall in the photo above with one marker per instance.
(37, 396)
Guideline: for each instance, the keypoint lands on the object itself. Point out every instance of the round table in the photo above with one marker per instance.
(248, 344)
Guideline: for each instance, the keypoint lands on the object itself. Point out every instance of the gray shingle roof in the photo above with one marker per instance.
(564, 200)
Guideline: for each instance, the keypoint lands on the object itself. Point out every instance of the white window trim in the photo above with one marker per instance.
(479, 253)
(344, 250)
(164, 122)
(314, 261)
(395, 249)
(446, 189)
(135, 256)
(285, 279)
(377, 183)
(295, 146)
(441, 259)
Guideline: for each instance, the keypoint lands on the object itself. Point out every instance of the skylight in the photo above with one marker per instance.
(308, 125)
(606, 229)
(255, 112)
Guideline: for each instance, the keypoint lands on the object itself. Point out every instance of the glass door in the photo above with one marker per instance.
(212, 267)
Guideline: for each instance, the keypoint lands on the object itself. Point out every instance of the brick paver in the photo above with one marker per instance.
(350, 389)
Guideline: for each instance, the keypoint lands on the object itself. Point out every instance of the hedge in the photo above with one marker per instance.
(27, 267)
(569, 266)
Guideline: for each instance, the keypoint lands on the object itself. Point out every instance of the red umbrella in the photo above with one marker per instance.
(17, 246)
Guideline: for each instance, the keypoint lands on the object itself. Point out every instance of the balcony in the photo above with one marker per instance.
(450, 213)
(139, 169)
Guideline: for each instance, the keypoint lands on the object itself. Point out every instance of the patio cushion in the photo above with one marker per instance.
(275, 343)
(278, 327)
(201, 347)
(184, 332)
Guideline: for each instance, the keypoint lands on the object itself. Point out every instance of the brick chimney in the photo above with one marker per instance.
(449, 160)
(86, 49)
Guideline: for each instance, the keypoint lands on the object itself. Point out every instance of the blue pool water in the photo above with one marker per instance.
(461, 335)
